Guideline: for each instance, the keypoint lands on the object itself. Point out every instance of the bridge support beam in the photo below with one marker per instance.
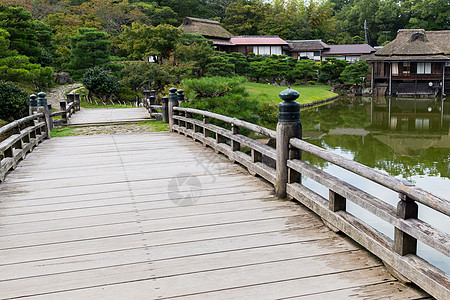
(288, 126)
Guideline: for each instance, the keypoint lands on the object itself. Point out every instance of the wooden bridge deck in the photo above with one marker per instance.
(105, 217)
(109, 116)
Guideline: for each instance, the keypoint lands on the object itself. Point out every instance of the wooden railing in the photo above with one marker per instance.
(284, 168)
(23, 136)
(67, 110)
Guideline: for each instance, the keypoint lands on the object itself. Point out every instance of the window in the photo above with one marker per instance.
(263, 50)
(275, 50)
(395, 69)
(423, 68)
(406, 68)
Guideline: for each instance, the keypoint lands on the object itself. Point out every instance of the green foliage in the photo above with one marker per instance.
(225, 96)
(100, 82)
(197, 54)
(13, 102)
(355, 73)
(142, 41)
(143, 75)
(330, 69)
(19, 69)
(210, 87)
(90, 48)
(220, 65)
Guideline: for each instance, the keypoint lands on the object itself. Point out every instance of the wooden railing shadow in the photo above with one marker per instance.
(399, 254)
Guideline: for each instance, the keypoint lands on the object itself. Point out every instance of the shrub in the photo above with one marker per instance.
(13, 102)
(101, 83)
(225, 96)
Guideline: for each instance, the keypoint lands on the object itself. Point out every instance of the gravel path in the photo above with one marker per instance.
(59, 93)
(115, 129)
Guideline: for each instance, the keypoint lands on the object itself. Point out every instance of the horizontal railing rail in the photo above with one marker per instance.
(223, 134)
(21, 137)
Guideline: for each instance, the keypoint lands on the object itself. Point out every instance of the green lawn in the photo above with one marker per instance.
(269, 93)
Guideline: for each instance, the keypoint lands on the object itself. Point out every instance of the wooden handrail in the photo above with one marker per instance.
(415, 193)
(21, 141)
(231, 121)
(398, 253)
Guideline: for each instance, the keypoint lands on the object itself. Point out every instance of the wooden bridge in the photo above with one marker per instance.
(157, 216)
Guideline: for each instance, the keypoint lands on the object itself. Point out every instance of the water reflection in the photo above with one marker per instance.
(406, 138)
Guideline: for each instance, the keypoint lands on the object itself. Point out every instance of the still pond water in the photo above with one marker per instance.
(406, 138)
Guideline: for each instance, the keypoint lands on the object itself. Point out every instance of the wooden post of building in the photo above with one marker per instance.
(443, 80)
(390, 79)
(173, 101)
(403, 242)
(43, 108)
(165, 109)
(288, 126)
(33, 104)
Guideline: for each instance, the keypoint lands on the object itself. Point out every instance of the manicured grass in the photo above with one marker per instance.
(269, 93)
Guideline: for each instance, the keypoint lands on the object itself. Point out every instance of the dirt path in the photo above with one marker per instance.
(59, 93)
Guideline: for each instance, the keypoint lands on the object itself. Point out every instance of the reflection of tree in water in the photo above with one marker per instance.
(373, 153)
(340, 114)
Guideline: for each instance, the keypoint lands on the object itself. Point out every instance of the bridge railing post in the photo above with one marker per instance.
(165, 109)
(77, 102)
(33, 104)
(145, 98)
(403, 242)
(173, 101)
(43, 108)
(288, 126)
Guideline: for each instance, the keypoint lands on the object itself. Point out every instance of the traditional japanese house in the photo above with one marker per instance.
(351, 53)
(263, 45)
(415, 63)
(210, 30)
(305, 49)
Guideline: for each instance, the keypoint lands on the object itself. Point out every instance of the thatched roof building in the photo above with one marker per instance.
(415, 45)
(208, 28)
(415, 63)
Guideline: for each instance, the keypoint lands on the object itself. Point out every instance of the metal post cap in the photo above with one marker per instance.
(173, 94)
(153, 92)
(289, 110)
(41, 100)
(165, 99)
(33, 101)
(180, 95)
(180, 91)
(289, 95)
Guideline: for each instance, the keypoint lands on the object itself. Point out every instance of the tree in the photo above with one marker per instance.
(429, 14)
(26, 36)
(198, 55)
(355, 73)
(142, 41)
(90, 48)
(100, 82)
(330, 69)
(243, 17)
(13, 102)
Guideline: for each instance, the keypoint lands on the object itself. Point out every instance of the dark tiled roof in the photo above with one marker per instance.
(348, 49)
(416, 42)
(306, 45)
(257, 40)
(207, 28)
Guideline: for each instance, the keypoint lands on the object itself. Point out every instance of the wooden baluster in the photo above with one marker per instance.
(403, 242)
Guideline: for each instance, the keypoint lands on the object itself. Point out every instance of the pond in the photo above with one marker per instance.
(406, 138)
